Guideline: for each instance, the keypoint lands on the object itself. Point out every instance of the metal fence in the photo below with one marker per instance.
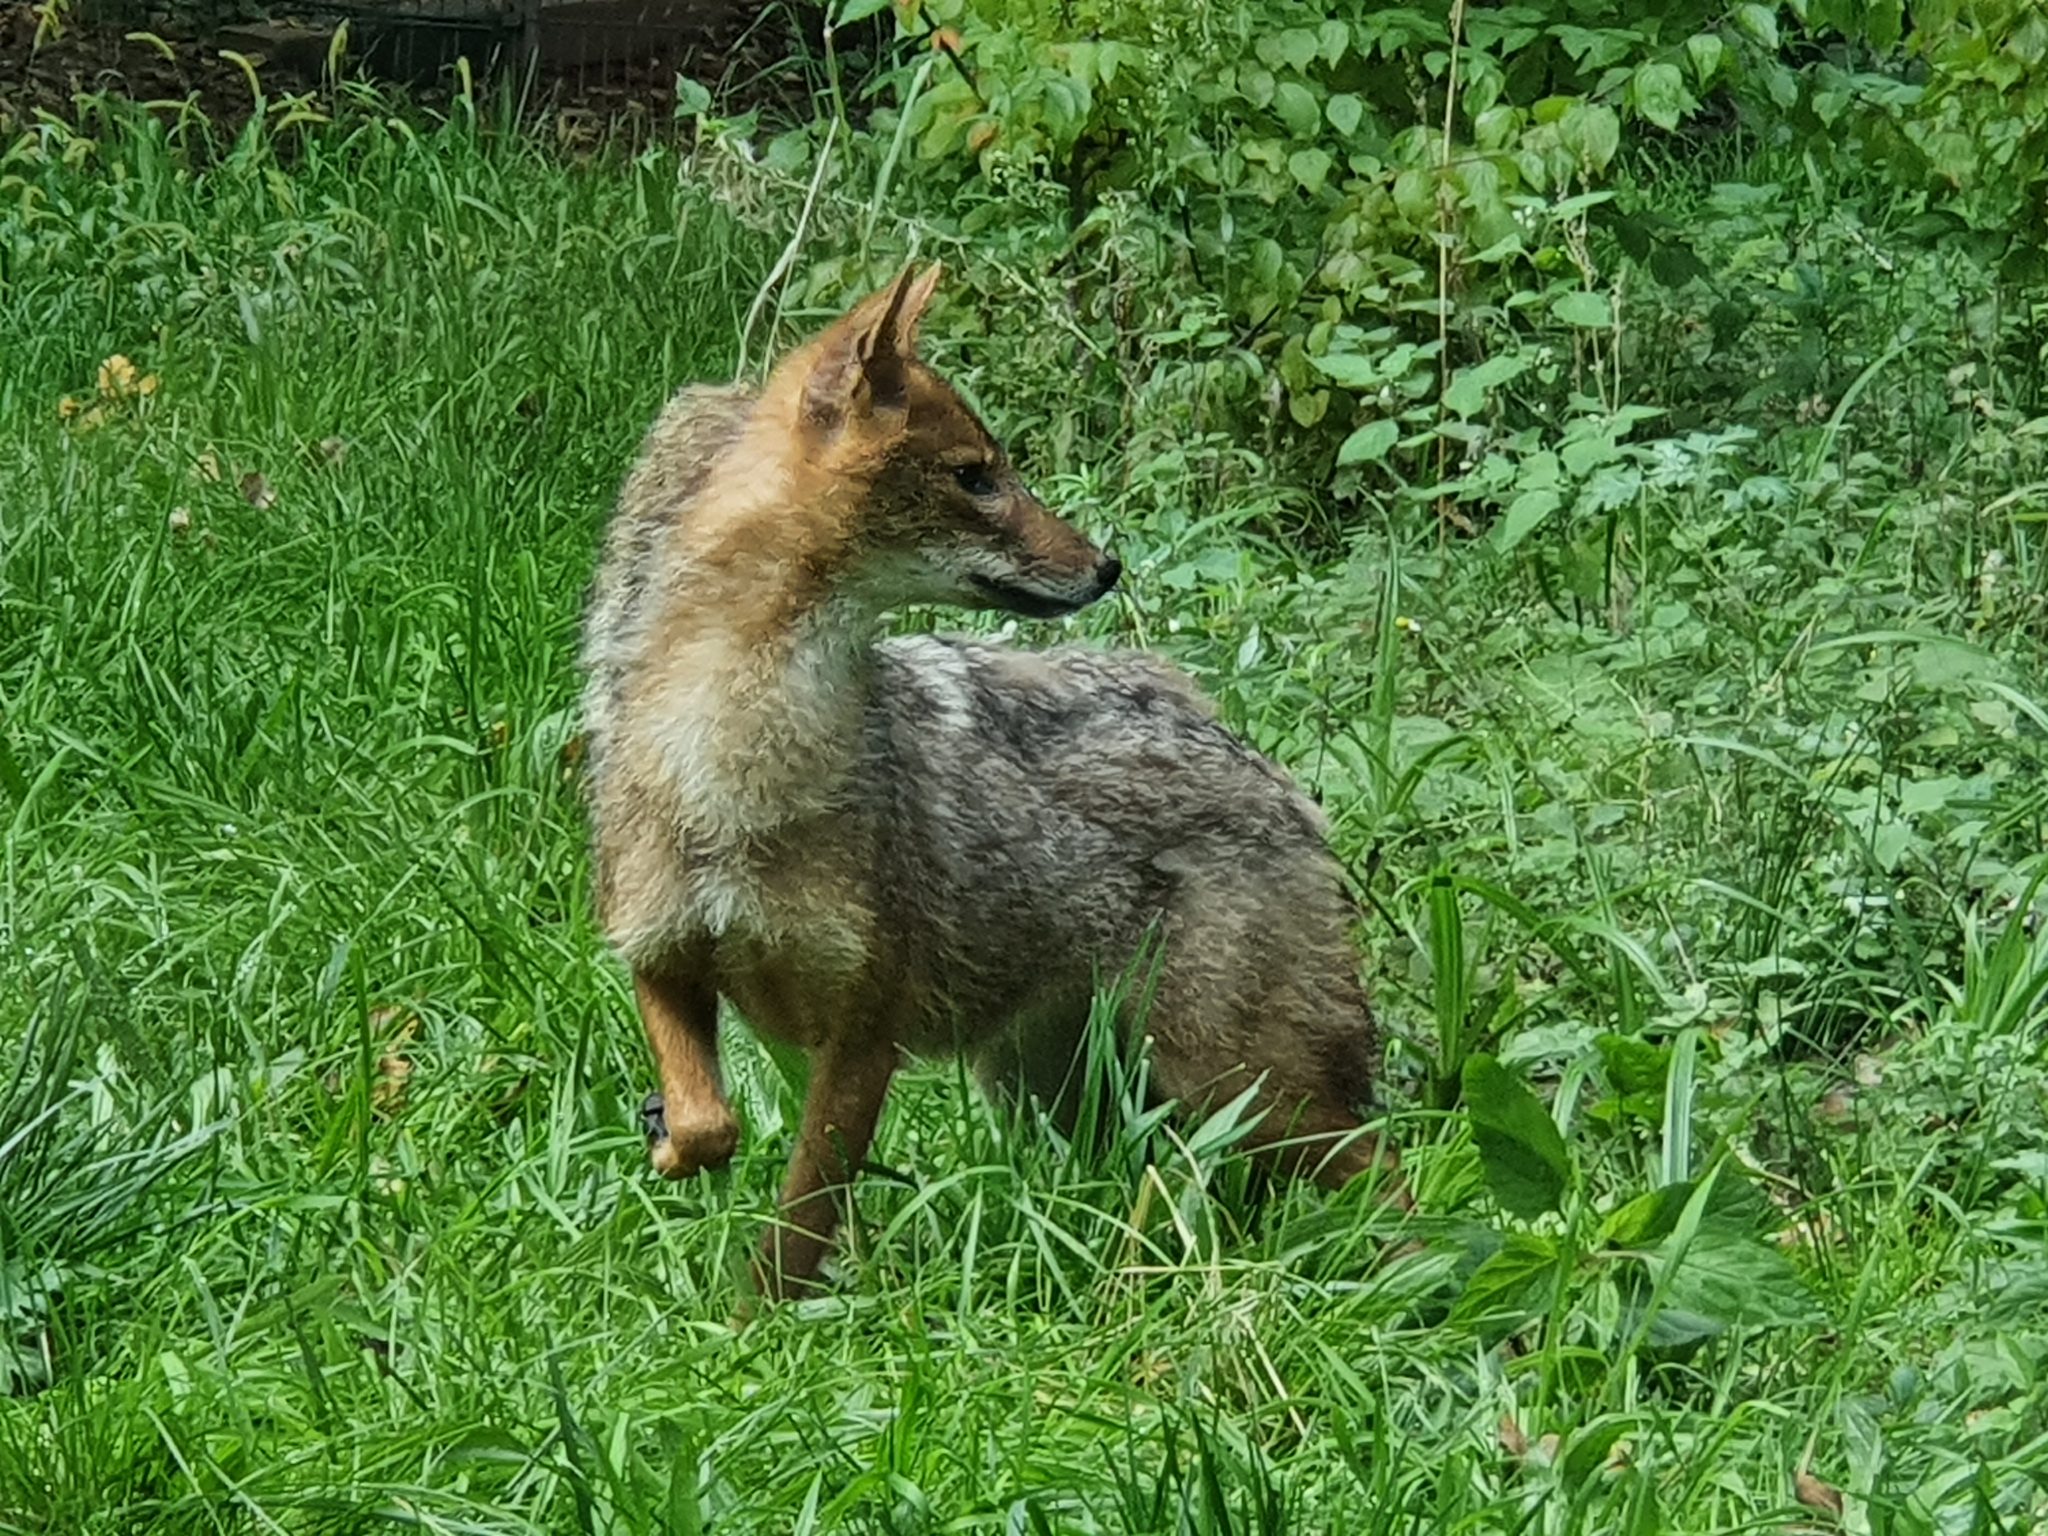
(582, 41)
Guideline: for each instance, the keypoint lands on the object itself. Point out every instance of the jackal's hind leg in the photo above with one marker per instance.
(849, 1081)
(1266, 988)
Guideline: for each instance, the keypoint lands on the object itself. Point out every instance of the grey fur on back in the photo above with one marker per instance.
(1043, 808)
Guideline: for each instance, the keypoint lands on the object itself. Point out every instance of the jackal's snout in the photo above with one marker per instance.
(1040, 565)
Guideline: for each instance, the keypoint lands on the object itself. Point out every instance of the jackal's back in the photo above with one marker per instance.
(1042, 809)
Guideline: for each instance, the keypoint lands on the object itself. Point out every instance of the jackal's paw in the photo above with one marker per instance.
(704, 1140)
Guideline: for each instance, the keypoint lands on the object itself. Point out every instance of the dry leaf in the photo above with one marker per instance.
(1869, 1070)
(207, 465)
(1512, 1439)
(334, 449)
(1838, 1105)
(387, 1093)
(257, 491)
(1815, 1494)
(946, 40)
(507, 1101)
(1820, 1230)
(1150, 1367)
(181, 520)
(1546, 1450)
(402, 1023)
(82, 415)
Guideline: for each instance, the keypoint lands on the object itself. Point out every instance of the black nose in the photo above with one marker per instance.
(1106, 576)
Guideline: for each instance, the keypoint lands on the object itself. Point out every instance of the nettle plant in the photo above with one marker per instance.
(1389, 216)
(1410, 242)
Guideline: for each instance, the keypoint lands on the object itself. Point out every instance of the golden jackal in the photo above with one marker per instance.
(876, 846)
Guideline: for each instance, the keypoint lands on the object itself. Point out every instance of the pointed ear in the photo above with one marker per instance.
(863, 360)
(915, 300)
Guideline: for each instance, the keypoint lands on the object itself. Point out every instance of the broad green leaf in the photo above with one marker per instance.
(1415, 197)
(1299, 46)
(1590, 133)
(788, 152)
(1537, 472)
(1525, 515)
(1583, 455)
(1516, 1283)
(1588, 1449)
(1345, 112)
(1581, 308)
(1310, 167)
(1349, 369)
(1494, 128)
(1636, 1069)
(1660, 94)
(1295, 105)
(1918, 797)
(1308, 406)
(1269, 259)
(1727, 1275)
(1596, 47)
(1782, 83)
(1370, 443)
(1334, 37)
(1520, 1149)
(692, 99)
(1951, 154)
(1646, 1219)
(1705, 51)
(1610, 486)
(1672, 1327)
(1761, 23)
(1468, 387)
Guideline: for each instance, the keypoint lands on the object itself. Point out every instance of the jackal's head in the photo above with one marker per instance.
(933, 509)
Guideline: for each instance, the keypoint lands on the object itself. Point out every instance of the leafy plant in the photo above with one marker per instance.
(1687, 1258)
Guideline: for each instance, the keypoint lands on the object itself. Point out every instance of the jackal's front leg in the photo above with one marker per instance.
(690, 1125)
(848, 1085)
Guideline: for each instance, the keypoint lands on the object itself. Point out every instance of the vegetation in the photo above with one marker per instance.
(1605, 458)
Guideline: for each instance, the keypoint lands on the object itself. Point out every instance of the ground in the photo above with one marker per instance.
(592, 68)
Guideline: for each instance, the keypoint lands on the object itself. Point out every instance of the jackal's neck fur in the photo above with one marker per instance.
(759, 642)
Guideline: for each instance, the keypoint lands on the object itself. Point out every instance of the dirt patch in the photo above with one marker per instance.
(599, 62)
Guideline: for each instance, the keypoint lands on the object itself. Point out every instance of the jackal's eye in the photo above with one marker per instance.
(975, 479)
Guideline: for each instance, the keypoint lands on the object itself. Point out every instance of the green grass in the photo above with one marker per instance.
(322, 1204)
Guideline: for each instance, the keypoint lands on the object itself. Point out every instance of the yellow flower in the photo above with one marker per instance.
(117, 377)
